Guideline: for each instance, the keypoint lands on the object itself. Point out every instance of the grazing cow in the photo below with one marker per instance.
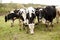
(17, 14)
(48, 13)
(11, 16)
(30, 18)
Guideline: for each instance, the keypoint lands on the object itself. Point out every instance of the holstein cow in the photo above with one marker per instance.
(48, 13)
(11, 16)
(57, 13)
(17, 14)
(30, 18)
(37, 13)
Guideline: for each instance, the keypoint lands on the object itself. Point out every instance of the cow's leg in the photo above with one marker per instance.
(51, 26)
(31, 28)
(12, 23)
(25, 22)
(26, 26)
(21, 24)
(57, 18)
(38, 18)
(47, 25)
(27, 29)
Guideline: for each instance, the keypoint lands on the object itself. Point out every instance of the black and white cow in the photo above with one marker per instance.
(11, 16)
(30, 18)
(37, 12)
(17, 14)
(48, 13)
(57, 13)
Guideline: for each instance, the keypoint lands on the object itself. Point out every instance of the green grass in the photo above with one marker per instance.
(13, 33)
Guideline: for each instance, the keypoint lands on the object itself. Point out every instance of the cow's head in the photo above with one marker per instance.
(16, 11)
(5, 18)
(37, 10)
(40, 14)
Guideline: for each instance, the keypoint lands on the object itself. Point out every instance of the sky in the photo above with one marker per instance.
(46, 2)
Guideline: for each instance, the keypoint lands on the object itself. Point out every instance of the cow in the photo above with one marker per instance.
(30, 19)
(11, 16)
(48, 13)
(37, 13)
(17, 14)
(57, 13)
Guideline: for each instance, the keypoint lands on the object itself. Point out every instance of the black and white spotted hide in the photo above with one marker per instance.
(30, 17)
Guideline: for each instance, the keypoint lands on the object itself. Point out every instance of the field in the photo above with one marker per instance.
(13, 33)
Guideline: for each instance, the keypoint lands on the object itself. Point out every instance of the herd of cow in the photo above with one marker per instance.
(28, 15)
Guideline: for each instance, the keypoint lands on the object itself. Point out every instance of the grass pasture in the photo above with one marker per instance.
(13, 33)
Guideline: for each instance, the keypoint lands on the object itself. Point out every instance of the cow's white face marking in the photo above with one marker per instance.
(31, 10)
(31, 27)
(40, 15)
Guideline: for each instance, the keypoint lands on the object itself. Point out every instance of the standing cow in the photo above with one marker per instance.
(48, 13)
(57, 13)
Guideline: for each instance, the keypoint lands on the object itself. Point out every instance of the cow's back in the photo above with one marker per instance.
(50, 13)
